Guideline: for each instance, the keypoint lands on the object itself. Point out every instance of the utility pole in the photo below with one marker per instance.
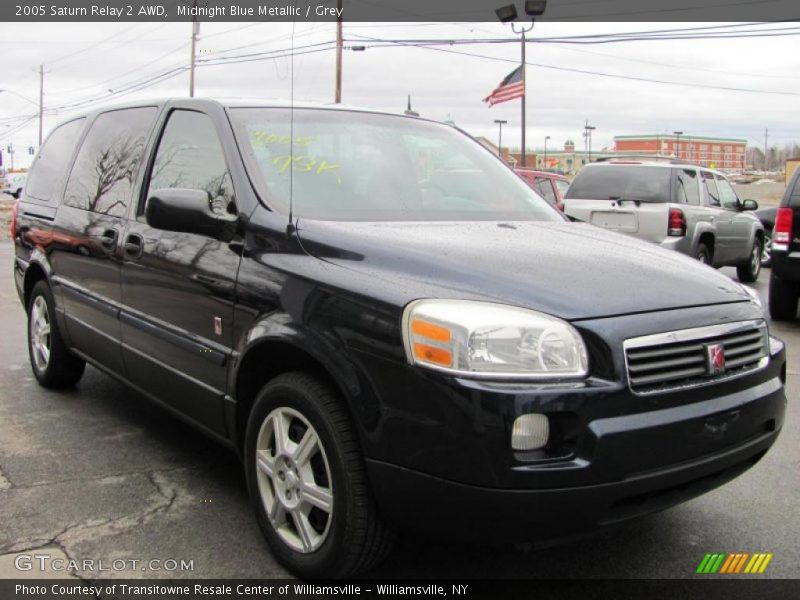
(195, 32)
(588, 133)
(338, 96)
(41, 102)
(766, 156)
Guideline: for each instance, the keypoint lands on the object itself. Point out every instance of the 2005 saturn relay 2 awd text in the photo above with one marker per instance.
(391, 328)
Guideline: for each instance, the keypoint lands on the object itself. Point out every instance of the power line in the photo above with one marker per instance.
(390, 43)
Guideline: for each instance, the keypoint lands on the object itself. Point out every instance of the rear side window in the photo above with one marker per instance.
(712, 193)
(687, 190)
(621, 182)
(108, 161)
(53, 161)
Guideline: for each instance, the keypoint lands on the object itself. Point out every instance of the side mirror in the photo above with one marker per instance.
(188, 211)
(749, 205)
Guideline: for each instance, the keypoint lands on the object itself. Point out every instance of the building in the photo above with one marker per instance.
(714, 152)
(568, 160)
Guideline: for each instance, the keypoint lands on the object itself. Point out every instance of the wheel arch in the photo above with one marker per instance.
(705, 235)
(276, 346)
(35, 272)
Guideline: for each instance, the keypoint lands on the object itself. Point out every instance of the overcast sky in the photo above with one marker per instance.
(83, 61)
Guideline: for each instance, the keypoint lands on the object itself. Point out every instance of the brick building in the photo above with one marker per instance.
(715, 152)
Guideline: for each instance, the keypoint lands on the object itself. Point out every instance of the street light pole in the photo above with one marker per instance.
(547, 137)
(500, 122)
(507, 14)
(678, 135)
(523, 40)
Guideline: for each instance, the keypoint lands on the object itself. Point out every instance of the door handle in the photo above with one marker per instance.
(134, 245)
(109, 239)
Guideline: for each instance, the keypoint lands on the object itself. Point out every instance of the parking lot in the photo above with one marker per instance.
(98, 473)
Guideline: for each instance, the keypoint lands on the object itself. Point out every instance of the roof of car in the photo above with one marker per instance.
(644, 163)
(244, 102)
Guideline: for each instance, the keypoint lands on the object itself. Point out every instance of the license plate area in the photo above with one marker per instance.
(625, 222)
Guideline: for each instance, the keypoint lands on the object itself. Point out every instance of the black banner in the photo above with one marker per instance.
(394, 10)
(224, 589)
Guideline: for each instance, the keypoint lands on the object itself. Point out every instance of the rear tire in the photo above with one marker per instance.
(53, 365)
(703, 254)
(748, 272)
(783, 297)
(336, 531)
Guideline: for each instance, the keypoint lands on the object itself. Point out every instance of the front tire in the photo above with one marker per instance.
(749, 271)
(308, 483)
(53, 365)
(783, 296)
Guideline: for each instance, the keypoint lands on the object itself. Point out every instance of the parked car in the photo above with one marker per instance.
(550, 186)
(784, 281)
(13, 183)
(682, 207)
(767, 218)
(383, 351)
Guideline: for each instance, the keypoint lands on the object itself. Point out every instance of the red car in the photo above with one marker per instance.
(549, 186)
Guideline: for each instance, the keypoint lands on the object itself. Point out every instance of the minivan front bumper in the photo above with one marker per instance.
(628, 466)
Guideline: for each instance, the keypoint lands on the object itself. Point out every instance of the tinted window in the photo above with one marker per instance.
(53, 161)
(108, 161)
(712, 193)
(346, 165)
(562, 186)
(727, 194)
(190, 156)
(687, 190)
(544, 187)
(621, 182)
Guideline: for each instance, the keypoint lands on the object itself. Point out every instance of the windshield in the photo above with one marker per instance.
(621, 182)
(355, 166)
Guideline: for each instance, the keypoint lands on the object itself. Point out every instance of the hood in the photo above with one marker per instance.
(571, 270)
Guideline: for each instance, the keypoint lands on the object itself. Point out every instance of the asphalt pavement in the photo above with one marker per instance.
(97, 473)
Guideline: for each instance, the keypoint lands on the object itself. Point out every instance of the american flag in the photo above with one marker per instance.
(512, 87)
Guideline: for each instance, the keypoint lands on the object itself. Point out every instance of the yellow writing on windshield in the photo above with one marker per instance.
(306, 164)
(266, 138)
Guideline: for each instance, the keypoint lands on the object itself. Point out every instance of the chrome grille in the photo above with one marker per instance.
(679, 359)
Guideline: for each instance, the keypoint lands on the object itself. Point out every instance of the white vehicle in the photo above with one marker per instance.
(13, 183)
(683, 207)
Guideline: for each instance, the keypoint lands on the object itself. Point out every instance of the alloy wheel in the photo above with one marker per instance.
(766, 251)
(40, 333)
(294, 480)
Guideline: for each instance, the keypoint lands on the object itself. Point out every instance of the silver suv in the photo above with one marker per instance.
(682, 207)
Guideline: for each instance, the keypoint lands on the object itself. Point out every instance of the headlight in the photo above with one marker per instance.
(754, 297)
(480, 339)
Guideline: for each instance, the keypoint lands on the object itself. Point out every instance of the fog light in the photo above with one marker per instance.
(530, 432)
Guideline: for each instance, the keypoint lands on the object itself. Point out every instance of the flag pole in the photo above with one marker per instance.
(524, 93)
